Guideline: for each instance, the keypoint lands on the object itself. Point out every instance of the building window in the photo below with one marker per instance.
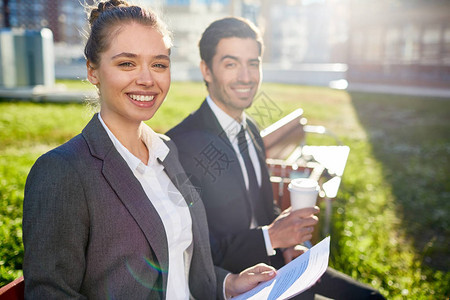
(411, 43)
(431, 44)
(446, 46)
(357, 46)
(374, 46)
(392, 46)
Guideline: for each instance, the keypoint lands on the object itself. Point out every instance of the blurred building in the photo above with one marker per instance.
(65, 18)
(294, 31)
(300, 31)
(400, 42)
(382, 42)
(187, 19)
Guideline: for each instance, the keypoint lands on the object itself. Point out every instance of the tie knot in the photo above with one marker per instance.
(242, 131)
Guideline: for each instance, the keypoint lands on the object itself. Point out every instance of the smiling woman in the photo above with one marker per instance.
(132, 79)
(111, 213)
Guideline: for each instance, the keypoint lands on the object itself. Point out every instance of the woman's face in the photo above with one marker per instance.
(133, 76)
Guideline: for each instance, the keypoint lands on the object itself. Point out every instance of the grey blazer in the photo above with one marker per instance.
(89, 230)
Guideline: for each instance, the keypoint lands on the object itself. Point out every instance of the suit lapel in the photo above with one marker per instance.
(253, 132)
(267, 214)
(211, 124)
(260, 151)
(214, 126)
(129, 191)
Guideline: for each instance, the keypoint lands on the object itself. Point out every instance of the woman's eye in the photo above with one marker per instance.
(160, 66)
(126, 64)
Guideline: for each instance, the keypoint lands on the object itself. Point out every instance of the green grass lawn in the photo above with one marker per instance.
(390, 221)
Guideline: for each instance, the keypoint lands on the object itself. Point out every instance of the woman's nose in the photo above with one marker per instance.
(145, 77)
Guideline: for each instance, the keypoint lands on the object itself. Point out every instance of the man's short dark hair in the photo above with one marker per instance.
(227, 28)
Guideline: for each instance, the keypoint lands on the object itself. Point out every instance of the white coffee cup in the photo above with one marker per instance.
(303, 192)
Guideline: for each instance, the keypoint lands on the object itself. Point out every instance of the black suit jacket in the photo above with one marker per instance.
(89, 230)
(209, 159)
(212, 165)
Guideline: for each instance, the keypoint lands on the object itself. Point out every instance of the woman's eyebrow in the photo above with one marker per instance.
(162, 56)
(132, 55)
(124, 54)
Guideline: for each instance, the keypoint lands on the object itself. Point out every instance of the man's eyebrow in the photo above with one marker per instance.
(228, 57)
(257, 59)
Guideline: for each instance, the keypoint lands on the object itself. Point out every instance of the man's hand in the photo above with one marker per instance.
(293, 227)
(236, 284)
(293, 252)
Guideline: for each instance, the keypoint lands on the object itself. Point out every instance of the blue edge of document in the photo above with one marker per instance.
(295, 277)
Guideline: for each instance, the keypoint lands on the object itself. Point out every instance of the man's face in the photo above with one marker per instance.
(235, 74)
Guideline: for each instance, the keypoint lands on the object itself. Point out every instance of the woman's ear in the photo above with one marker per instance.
(206, 71)
(92, 73)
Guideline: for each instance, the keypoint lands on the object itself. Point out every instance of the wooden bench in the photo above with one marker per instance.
(281, 174)
(13, 290)
(283, 137)
(289, 157)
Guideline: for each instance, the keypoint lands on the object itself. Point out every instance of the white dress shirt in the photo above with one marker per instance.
(231, 127)
(168, 202)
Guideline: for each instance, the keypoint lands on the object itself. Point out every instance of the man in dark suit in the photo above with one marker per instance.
(223, 154)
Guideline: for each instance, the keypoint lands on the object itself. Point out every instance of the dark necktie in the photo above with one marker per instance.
(253, 188)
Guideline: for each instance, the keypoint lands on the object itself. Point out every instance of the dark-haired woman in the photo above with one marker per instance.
(110, 214)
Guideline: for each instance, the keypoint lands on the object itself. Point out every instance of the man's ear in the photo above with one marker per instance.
(92, 73)
(206, 71)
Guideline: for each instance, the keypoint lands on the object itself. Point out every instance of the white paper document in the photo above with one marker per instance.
(295, 277)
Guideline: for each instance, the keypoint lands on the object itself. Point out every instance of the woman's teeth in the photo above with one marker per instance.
(141, 97)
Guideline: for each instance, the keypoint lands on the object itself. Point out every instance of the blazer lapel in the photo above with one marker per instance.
(179, 178)
(129, 190)
(136, 201)
(199, 272)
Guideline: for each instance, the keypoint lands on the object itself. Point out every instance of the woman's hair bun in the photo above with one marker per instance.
(103, 6)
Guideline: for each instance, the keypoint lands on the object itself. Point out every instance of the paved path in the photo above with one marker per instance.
(46, 94)
(400, 90)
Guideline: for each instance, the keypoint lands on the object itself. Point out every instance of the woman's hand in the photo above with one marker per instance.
(236, 284)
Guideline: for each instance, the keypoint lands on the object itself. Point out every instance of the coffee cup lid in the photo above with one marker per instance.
(304, 184)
